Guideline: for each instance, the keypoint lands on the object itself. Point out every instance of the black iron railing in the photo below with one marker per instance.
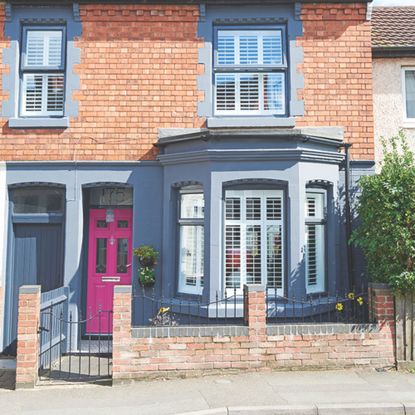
(151, 309)
(70, 351)
(345, 307)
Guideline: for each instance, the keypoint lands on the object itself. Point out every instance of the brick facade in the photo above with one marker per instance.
(155, 352)
(27, 337)
(138, 73)
(338, 72)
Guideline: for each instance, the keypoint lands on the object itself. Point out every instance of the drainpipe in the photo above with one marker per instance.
(348, 214)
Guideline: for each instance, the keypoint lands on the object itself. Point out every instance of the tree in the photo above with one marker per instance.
(386, 210)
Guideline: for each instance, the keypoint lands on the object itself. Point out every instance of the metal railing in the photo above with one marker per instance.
(76, 354)
(150, 309)
(342, 307)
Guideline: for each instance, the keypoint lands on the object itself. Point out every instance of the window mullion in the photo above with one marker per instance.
(264, 241)
(44, 93)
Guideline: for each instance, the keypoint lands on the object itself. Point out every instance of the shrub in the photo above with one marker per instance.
(386, 210)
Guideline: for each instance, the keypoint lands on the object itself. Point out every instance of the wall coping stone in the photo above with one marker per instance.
(189, 331)
(122, 289)
(254, 287)
(316, 329)
(29, 289)
(379, 286)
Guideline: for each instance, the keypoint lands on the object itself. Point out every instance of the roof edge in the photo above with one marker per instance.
(393, 52)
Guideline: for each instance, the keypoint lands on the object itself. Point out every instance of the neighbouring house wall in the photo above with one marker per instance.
(389, 101)
(338, 72)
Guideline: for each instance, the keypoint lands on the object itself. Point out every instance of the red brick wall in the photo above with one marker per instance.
(338, 72)
(27, 337)
(139, 69)
(138, 73)
(145, 357)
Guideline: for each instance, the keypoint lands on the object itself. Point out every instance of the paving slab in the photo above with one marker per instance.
(276, 393)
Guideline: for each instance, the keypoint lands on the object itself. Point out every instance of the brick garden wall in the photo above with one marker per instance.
(177, 351)
(338, 72)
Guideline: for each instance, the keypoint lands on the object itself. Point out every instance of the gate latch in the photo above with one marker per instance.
(40, 329)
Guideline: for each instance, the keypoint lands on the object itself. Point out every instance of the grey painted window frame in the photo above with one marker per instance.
(190, 189)
(241, 69)
(314, 188)
(25, 69)
(52, 15)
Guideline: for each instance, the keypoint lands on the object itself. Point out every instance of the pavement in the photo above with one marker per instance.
(277, 393)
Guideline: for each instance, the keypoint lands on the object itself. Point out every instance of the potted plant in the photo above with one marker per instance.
(147, 257)
(147, 276)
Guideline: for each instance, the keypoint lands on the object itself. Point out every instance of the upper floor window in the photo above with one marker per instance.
(409, 93)
(43, 72)
(250, 70)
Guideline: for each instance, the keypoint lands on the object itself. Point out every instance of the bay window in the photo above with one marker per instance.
(254, 248)
(191, 244)
(315, 212)
(250, 70)
(43, 72)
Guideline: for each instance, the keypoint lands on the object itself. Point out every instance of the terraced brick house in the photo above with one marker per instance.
(393, 73)
(214, 131)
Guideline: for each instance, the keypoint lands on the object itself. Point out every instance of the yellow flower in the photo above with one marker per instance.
(339, 307)
(350, 296)
(360, 300)
(164, 310)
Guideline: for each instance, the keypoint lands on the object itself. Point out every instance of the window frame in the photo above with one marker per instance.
(408, 121)
(264, 194)
(258, 69)
(43, 71)
(182, 287)
(321, 284)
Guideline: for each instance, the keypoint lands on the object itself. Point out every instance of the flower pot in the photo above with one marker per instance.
(146, 262)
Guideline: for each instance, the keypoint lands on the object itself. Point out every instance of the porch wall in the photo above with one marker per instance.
(188, 351)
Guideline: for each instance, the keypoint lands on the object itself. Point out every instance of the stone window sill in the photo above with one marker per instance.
(39, 122)
(410, 124)
(257, 122)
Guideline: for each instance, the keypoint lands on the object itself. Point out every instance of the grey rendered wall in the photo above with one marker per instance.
(144, 177)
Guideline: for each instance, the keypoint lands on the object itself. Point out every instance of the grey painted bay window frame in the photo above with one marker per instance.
(271, 217)
(261, 71)
(44, 73)
(316, 240)
(191, 283)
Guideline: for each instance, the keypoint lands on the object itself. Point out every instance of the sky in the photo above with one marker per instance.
(394, 2)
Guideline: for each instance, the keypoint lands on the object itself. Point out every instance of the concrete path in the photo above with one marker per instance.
(324, 393)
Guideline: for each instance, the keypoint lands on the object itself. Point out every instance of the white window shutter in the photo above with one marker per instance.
(44, 48)
(254, 238)
(33, 94)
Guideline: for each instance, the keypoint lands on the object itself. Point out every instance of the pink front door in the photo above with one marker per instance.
(109, 264)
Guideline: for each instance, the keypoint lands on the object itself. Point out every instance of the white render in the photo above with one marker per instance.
(389, 102)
